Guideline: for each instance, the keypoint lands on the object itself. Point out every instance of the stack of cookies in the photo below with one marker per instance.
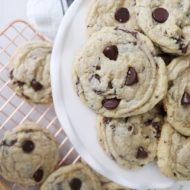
(134, 73)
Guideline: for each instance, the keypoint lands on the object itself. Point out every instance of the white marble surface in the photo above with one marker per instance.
(11, 10)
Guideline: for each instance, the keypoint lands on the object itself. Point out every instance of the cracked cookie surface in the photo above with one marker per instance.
(30, 71)
(173, 153)
(167, 23)
(118, 74)
(72, 177)
(131, 142)
(105, 13)
(28, 154)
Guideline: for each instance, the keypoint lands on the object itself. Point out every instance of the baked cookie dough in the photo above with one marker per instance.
(28, 154)
(104, 13)
(166, 23)
(173, 153)
(117, 73)
(131, 142)
(177, 101)
(30, 71)
(72, 177)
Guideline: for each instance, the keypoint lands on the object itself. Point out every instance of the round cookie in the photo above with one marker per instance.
(177, 101)
(130, 142)
(28, 154)
(118, 74)
(72, 177)
(173, 153)
(166, 23)
(30, 71)
(114, 186)
(105, 13)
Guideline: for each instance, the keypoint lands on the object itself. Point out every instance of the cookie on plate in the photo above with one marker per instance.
(173, 153)
(166, 23)
(30, 71)
(118, 74)
(104, 13)
(28, 154)
(177, 101)
(131, 142)
(72, 177)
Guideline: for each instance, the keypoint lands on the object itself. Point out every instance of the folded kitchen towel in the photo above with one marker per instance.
(46, 15)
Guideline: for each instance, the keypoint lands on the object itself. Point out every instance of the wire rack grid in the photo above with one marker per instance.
(14, 110)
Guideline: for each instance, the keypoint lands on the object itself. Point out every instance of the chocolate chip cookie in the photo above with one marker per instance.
(104, 13)
(72, 177)
(177, 101)
(30, 71)
(28, 154)
(114, 186)
(166, 23)
(173, 153)
(118, 74)
(131, 142)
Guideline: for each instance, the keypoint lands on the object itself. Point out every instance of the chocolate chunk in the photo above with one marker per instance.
(111, 104)
(122, 15)
(157, 126)
(160, 15)
(167, 58)
(19, 83)
(38, 175)
(111, 52)
(132, 77)
(9, 142)
(98, 67)
(75, 184)
(141, 153)
(36, 85)
(185, 99)
(130, 128)
(28, 146)
(97, 77)
(107, 120)
(126, 119)
(110, 85)
(11, 75)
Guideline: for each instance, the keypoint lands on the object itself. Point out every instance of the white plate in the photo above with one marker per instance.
(79, 121)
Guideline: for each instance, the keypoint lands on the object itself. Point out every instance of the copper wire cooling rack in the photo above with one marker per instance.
(14, 110)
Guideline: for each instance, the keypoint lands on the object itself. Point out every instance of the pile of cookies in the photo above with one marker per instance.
(134, 73)
(29, 153)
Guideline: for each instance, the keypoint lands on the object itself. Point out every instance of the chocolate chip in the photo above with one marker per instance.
(157, 127)
(126, 119)
(122, 15)
(28, 146)
(11, 75)
(111, 52)
(107, 120)
(75, 184)
(38, 175)
(19, 83)
(141, 153)
(98, 67)
(97, 77)
(132, 77)
(110, 85)
(99, 92)
(130, 128)
(111, 104)
(167, 58)
(185, 99)
(9, 142)
(36, 85)
(160, 15)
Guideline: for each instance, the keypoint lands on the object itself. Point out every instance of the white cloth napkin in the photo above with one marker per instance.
(46, 15)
